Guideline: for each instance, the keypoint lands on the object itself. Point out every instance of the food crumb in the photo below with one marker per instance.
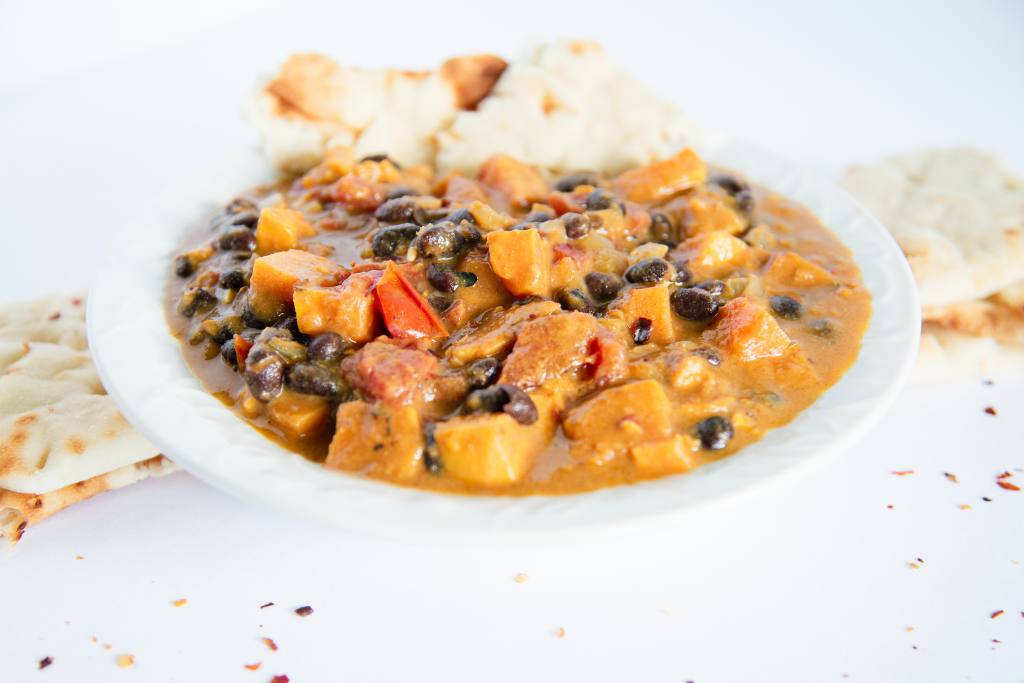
(254, 666)
(266, 605)
(990, 410)
(304, 611)
(521, 577)
(45, 662)
(890, 506)
(986, 499)
(909, 629)
(94, 639)
(951, 477)
(108, 646)
(965, 506)
(560, 633)
(279, 678)
(126, 661)
(995, 615)
(913, 565)
(79, 557)
(902, 473)
(180, 602)
(270, 643)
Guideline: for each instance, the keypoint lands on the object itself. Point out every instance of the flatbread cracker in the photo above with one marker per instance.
(57, 424)
(20, 510)
(958, 214)
(313, 103)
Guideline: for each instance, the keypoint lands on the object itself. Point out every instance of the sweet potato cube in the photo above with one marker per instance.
(651, 303)
(662, 179)
(522, 259)
(747, 331)
(794, 270)
(388, 442)
(461, 191)
(489, 218)
(707, 213)
(521, 184)
(280, 229)
(494, 449)
(299, 416)
(676, 453)
(712, 255)
(347, 309)
(623, 415)
(275, 276)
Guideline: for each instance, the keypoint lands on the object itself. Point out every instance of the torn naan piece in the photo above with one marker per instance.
(946, 355)
(58, 426)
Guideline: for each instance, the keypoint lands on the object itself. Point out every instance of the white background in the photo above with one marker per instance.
(102, 103)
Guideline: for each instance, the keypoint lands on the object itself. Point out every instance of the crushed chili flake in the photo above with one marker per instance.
(990, 410)
(521, 577)
(1004, 475)
(180, 602)
(108, 646)
(253, 667)
(890, 506)
(1008, 485)
(280, 678)
(266, 605)
(951, 477)
(902, 473)
(126, 661)
(908, 629)
(270, 643)
(560, 633)
(995, 615)
(45, 662)
(304, 611)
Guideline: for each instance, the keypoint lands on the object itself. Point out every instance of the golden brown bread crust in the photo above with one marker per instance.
(990, 319)
(19, 510)
(472, 77)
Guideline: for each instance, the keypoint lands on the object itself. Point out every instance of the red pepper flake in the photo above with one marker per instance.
(271, 644)
(890, 507)
(304, 611)
(951, 477)
(280, 678)
(1004, 475)
(902, 473)
(1008, 485)
(266, 605)
(45, 662)
(76, 301)
(995, 615)
(990, 410)
(560, 633)
(253, 667)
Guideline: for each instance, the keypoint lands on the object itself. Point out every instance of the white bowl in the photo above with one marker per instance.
(143, 369)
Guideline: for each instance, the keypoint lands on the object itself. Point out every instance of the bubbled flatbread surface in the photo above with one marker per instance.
(958, 215)
(564, 106)
(57, 424)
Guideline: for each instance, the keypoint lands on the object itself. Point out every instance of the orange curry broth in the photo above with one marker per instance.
(614, 399)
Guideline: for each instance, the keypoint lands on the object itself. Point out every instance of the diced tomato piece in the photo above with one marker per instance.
(242, 348)
(406, 314)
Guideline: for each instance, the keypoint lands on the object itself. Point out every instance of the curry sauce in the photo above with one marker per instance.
(515, 333)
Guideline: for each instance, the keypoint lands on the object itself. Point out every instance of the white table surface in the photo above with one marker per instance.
(101, 104)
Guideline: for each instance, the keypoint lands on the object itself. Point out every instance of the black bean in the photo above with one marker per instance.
(483, 373)
(401, 210)
(693, 303)
(246, 219)
(380, 157)
(642, 330)
(714, 432)
(600, 199)
(287, 327)
(519, 405)
(466, 279)
(744, 201)
(576, 225)
(183, 266)
(821, 328)
(487, 400)
(684, 275)
(264, 375)
(229, 353)
(431, 453)
(786, 307)
(648, 271)
(662, 230)
(440, 241)
(237, 239)
(574, 299)
(603, 286)
(196, 300)
(400, 191)
(524, 226)
(442, 278)
(327, 347)
(737, 189)
(710, 355)
(539, 217)
(715, 287)
(570, 182)
(232, 279)
(469, 232)
(459, 215)
(440, 302)
(307, 378)
(394, 240)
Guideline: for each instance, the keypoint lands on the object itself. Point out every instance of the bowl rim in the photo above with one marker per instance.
(142, 368)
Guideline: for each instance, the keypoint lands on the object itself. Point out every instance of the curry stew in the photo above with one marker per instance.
(514, 333)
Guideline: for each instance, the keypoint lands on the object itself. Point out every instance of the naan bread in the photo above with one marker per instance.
(564, 106)
(313, 103)
(947, 355)
(987, 318)
(957, 214)
(57, 424)
(19, 510)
